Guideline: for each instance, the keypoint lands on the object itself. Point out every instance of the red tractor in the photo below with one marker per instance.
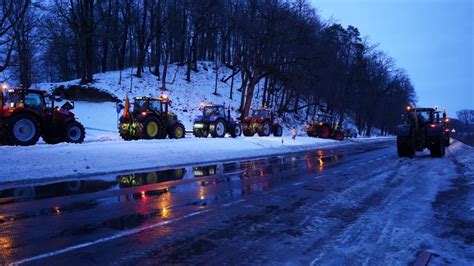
(261, 121)
(24, 117)
(324, 126)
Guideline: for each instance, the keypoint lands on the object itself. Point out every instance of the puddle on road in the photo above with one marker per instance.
(312, 161)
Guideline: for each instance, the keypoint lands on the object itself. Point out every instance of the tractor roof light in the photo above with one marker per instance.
(408, 107)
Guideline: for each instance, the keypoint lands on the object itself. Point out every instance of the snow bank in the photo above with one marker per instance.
(55, 161)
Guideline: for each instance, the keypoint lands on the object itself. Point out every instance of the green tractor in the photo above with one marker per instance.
(150, 119)
(421, 128)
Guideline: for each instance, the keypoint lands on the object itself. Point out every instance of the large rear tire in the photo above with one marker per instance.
(438, 149)
(218, 129)
(405, 147)
(153, 128)
(24, 130)
(248, 130)
(74, 133)
(277, 131)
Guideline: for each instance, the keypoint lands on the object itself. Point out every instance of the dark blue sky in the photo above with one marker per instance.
(431, 39)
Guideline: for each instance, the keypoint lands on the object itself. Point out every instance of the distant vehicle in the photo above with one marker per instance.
(25, 116)
(422, 128)
(150, 119)
(324, 126)
(215, 121)
(261, 121)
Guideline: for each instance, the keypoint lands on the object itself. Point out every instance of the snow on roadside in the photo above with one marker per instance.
(55, 161)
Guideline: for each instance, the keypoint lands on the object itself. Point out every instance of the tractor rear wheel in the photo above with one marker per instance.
(325, 132)
(236, 131)
(153, 128)
(438, 149)
(265, 129)
(218, 129)
(23, 130)
(405, 147)
(74, 133)
(277, 131)
(248, 131)
(177, 131)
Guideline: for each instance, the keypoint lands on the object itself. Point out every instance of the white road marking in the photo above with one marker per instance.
(350, 167)
(298, 183)
(106, 239)
(337, 171)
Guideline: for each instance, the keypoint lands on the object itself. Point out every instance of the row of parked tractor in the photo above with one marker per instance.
(26, 116)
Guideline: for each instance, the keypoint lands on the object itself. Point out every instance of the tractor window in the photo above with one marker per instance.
(221, 111)
(155, 106)
(209, 111)
(140, 105)
(260, 113)
(34, 101)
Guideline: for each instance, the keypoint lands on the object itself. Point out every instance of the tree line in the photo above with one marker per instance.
(303, 63)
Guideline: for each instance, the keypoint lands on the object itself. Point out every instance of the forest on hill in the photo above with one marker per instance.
(303, 62)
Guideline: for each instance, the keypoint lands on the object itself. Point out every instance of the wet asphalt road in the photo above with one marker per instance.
(212, 214)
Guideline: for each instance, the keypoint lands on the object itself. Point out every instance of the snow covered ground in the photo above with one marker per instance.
(53, 161)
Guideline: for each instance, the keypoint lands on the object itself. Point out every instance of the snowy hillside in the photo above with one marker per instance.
(185, 96)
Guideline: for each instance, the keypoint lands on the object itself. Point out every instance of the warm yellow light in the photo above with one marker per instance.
(4, 86)
(408, 107)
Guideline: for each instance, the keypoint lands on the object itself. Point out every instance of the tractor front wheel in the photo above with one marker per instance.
(218, 129)
(23, 130)
(74, 133)
(177, 131)
(265, 130)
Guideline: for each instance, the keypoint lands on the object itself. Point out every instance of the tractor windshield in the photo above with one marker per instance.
(323, 118)
(140, 105)
(260, 113)
(208, 111)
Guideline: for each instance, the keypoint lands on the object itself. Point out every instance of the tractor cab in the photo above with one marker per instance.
(261, 113)
(146, 104)
(210, 110)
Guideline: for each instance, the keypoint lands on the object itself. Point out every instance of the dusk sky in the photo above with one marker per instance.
(431, 39)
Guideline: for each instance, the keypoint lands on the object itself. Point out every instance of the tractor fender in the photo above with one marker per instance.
(19, 112)
(404, 130)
